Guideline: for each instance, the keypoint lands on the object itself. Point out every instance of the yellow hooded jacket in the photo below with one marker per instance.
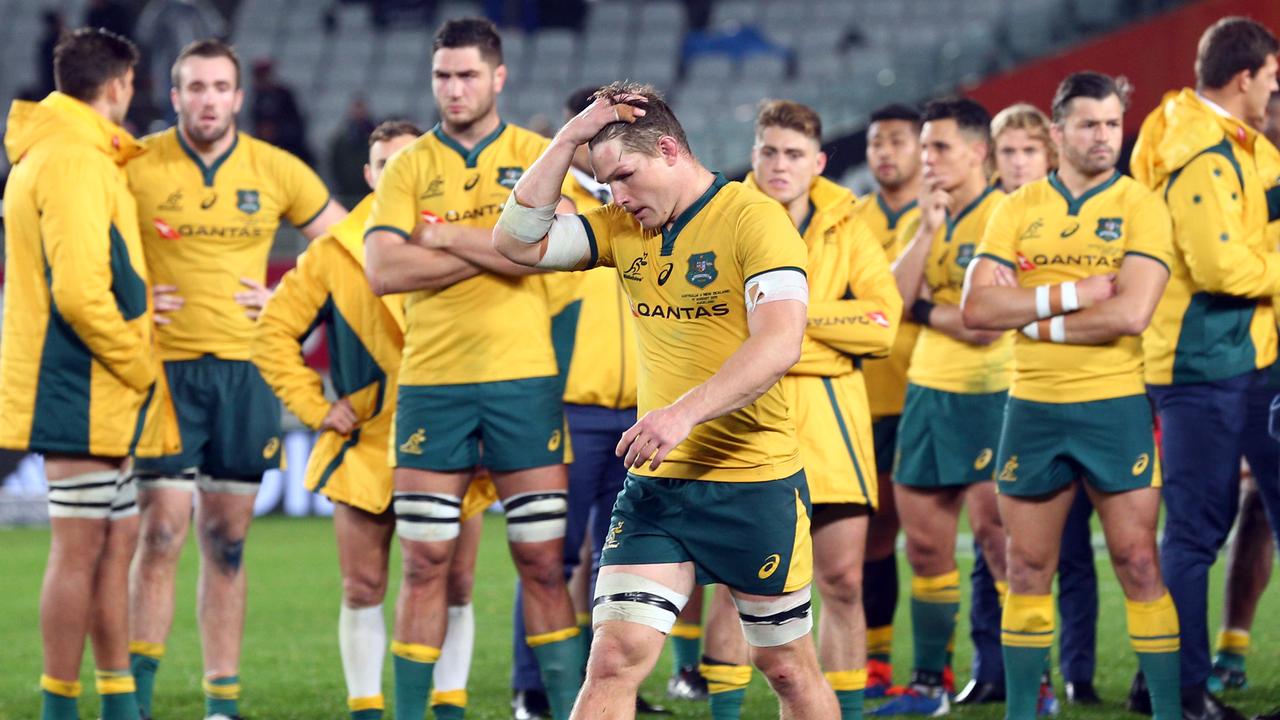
(1215, 319)
(80, 369)
(365, 336)
(854, 312)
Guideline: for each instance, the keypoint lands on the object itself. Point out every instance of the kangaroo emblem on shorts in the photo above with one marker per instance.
(611, 539)
(1009, 473)
(770, 566)
(271, 448)
(1140, 465)
(413, 444)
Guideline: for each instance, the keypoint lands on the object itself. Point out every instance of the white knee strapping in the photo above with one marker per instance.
(427, 517)
(125, 503)
(776, 621)
(536, 516)
(631, 598)
(93, 496)
(227, 486)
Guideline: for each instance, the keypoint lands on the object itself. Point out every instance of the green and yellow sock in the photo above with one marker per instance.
(116, 689)
(935, 601)
(850, 686)
(222, 695)
(686, 644)
(449, 704)
(880, 643)
(144, 661)
(1026, 634)
(1154, 633)
(59, 699)
(726, 687)
(559, 655)
(366, 708)
(413, 664)
(1233, 646)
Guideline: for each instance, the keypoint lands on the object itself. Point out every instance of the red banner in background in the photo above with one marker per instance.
(1157, 55)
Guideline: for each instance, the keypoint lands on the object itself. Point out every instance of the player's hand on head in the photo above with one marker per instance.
(165, 299)
(653, 437)
(253, 299)
(1095, 289)
(603, 111)
(341, 418)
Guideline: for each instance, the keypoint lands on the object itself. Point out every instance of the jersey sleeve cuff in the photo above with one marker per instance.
(996, 258)
(800, 270)
(316, 214)
(1149, 257)
(591, 241)
(388, 228)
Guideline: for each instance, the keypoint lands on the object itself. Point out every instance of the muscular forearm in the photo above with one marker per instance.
(541, 183)
(999, 308)
(746, 375)
(947, 320)
(394, 266)
(475, 246)
(908, 269)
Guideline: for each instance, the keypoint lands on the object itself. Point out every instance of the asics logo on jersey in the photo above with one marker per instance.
(472, 182)
(413, 444)
(1010, 471)
(272, 447)
(209, 201)
(1140, 465)
(553, 444)
(983, 459)
(1069, 231)
(770, 566)
(664, 273)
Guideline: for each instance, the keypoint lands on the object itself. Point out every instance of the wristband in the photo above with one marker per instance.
(526, 224)
(1053, 329)
(920, 310)
(1056, 299)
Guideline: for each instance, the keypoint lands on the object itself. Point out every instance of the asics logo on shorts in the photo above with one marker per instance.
(1140, 465)
(770, 566)
(271, 448)
(984, 459)
(1010, 471)
(413, 444)
(554, 443)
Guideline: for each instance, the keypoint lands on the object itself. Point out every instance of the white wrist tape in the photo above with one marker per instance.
(1058, 329)
(567, 244)
(1032, 329)
(1043, 309)
(528, 225)
(1070, 298)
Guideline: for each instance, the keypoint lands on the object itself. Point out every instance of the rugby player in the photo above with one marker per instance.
(478, 369)
(714, 272)
(958, 379)
(209, 200)
(1078, 261)
(80, 379)
(1213, 335)
(893, 155)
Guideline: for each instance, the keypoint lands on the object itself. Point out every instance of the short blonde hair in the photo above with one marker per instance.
(1028, 117)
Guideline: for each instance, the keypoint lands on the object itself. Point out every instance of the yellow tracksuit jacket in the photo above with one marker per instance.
(854, 311)
(79, 368)
(365, 336)
(1216, 318)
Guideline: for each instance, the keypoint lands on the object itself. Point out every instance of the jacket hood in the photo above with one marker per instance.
(62, 116)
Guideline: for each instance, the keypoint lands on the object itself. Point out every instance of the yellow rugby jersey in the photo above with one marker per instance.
(939, 361)
(1215, 319)
(887, 377)
(592, 328)
(487, 328)
(1047, 236)
(204, 228)
(686, 290)
(854, 311)
(364, 334)
(79, 367)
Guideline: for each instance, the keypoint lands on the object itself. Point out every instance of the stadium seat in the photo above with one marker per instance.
(734, 13)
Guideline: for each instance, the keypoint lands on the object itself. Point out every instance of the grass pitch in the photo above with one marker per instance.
(291, 667)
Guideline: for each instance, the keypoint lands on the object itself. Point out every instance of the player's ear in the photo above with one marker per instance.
(239, 101)
(368, 177)
(820, 162)
(173, 99)
(499, 77)
(668, 149)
